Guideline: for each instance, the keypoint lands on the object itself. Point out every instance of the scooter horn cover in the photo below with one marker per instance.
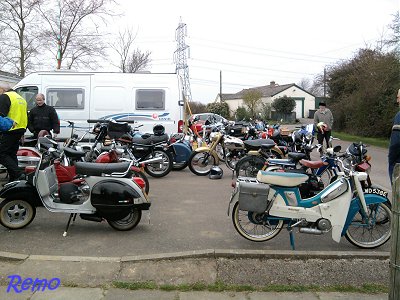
(216, 173)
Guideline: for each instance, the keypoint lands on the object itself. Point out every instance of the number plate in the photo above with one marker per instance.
(376, 191)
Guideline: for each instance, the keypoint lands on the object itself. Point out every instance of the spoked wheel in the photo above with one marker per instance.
(326, 177)
(220, 152)
(232, 158)
(249, 166)
(200, 163)
(127, 223)
(256, 227)
(371, 230)
(16, 214)
(159, 169)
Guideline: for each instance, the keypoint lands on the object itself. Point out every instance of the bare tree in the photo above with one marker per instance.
(19, 24)
(130, 62)
(252, 99)
(138, 61)
(71, 23)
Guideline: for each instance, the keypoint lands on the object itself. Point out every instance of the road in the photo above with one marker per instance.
(188, 212)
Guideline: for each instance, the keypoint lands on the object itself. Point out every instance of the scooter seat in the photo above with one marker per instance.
(256, 144)
(98, 169)
(72, 153)
(313, 164)
(296, 156)
(281, 178)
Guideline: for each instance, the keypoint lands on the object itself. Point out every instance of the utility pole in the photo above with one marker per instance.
(180, 57)
(220, 87)
(324, 83)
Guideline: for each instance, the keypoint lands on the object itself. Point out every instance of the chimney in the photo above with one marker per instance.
(272, 83)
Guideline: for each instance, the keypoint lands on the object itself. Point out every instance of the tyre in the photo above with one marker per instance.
(16, 214)
(180, 166)
(253, 226)
(159, 169)
(249, 166)
(145, 179)
(373, 230)
(200, 163)
(127, 223)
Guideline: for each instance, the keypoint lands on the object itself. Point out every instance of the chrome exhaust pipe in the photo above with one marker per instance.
(310, 231)
(152, 160)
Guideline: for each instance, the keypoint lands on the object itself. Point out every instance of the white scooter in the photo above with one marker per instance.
(103, 192)
(264, 205)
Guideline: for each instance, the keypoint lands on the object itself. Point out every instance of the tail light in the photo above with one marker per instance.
(140, 182)
(30, 169)
(363, 167)
(180, 126)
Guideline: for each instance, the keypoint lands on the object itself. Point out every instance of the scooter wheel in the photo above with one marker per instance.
(16, 213)
(127, 223)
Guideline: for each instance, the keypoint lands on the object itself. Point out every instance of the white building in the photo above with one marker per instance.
(304, 100)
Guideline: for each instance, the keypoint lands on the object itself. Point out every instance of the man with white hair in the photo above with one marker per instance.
(394, 146)
(13, 106)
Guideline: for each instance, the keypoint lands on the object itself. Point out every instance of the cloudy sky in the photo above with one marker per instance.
(254, 42)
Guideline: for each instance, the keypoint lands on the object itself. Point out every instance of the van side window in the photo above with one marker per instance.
(28, 93)
(66, 98)
(150, 99)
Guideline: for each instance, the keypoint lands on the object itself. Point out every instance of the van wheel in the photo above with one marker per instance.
(129, 222)
(16, 214)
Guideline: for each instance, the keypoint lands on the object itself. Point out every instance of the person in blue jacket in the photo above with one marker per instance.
(394, 146)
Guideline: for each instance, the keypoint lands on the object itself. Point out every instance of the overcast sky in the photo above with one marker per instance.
(257, 41)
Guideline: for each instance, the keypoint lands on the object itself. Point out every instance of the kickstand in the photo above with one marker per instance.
(69, 222)
(291, 237)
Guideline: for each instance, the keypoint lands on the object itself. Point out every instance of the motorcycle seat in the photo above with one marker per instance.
(256, 144)
(99, 169)
(296, 156)
(267, 147)
(149, 139)
(72, 153)
(313, 164)
(282, 178)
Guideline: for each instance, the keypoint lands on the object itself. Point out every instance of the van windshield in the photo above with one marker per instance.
(28, 93)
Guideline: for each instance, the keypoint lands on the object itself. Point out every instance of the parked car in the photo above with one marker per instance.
(198, 120)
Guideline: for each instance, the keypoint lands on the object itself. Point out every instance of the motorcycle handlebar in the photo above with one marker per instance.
(107, 121)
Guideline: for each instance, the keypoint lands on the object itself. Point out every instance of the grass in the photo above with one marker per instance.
(222, 287)
(379, 142)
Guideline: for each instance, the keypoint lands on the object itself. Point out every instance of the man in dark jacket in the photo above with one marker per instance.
(13, 106)
(43, 117)
(394, 147)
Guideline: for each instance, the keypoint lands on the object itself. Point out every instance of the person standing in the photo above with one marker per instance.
(394, 146)
(323, 121)
(43, 117)
(13, 106)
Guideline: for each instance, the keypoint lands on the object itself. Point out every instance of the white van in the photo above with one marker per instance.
(146, 98)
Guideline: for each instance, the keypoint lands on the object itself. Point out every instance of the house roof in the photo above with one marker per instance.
(266, 90)
(11, 75)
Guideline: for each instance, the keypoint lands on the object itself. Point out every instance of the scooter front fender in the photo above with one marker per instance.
(21, 190)
(355, 206)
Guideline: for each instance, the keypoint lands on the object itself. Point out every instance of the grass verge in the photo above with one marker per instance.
(222, 287)
(379, 142)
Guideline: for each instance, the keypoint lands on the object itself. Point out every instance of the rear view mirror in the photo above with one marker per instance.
(337, 148)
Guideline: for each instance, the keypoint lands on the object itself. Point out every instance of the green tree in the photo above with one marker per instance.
(284, 105)
(363, 92)
(265, 111)
(220, 108)
(241, 114)
(252, 99)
